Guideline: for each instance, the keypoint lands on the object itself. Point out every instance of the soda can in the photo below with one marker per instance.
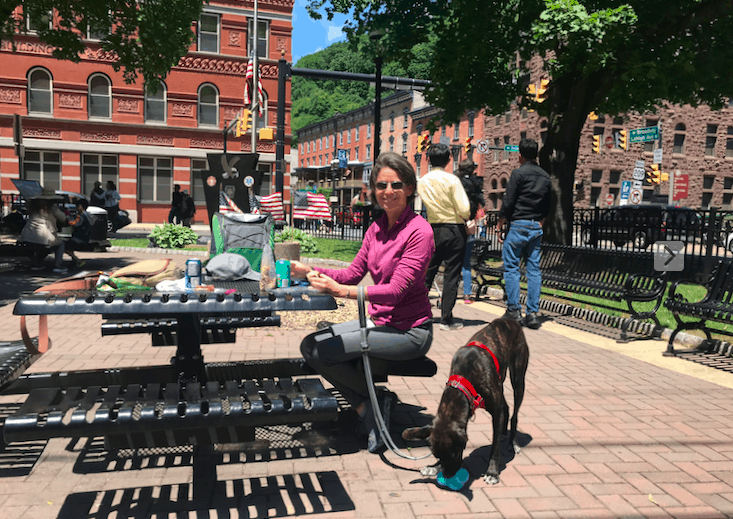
(193, 272)
(282, 271)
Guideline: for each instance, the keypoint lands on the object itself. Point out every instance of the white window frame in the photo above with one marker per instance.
(404, 115)
(391, 122)
(33, 30)
(164, 91)
(368, 152)
(218, 33)
(43, 160)
(471, 117)
(91, 95)
(266, 39)
(31, 89)
(369, 130)
(88, 178)
(163, 197)
(200, 105)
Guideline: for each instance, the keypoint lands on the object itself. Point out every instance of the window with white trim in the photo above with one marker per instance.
(711, 139)
(262, 51)
(471, 117)
(43, 166)
(198, 169)
(155, 179)
(98, 168)
(391, 122)
(208, 106)
(99, 97)
(40, 91)
(404, 117)
(679, 138)
(155, 105)
(209, 31)
(34, 24)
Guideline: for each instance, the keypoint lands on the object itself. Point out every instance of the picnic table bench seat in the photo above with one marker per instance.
(14, 360)
(28, 249)
(716, 305)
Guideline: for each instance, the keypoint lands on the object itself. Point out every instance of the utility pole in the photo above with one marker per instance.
(255, 79)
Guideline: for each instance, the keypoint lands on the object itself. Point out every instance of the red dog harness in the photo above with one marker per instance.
(464, 386)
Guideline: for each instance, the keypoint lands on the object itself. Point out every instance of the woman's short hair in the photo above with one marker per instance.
(400, 165)
(466, 167)
(111, 185)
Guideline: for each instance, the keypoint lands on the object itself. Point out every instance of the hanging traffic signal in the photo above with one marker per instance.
(423, 143)
(468, 144)
(542, 90)
(654, 176)
(622, 142)
(665, 176)
(244, 123)
(597, 143)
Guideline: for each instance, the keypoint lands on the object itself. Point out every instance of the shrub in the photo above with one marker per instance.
(307, 243)
(172, 236)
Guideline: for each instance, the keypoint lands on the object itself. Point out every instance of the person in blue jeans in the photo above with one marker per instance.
(525, 206)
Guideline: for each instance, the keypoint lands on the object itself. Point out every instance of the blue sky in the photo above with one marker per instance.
(311, 35)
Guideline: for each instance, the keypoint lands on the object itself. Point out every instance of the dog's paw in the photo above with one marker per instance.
(491, 479)
(430, 470)
(517, 448)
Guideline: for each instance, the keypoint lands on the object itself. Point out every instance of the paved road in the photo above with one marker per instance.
(608, 431)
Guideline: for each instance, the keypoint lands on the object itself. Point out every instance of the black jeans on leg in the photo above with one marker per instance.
(450, 247)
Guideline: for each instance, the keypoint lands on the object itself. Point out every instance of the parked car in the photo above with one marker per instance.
(642, 225)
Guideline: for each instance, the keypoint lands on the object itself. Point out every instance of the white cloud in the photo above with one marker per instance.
(334, 32)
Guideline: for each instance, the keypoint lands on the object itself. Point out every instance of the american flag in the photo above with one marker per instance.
(248, 78)
(226, 205)
(317, 209)
(273, 204)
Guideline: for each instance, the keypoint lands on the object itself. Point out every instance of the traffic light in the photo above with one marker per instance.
(423, 143)
(665, 176)
(244, 123)
(597, 143)
(622, 142)
(654, 175)
(468, 144)
(542, 90)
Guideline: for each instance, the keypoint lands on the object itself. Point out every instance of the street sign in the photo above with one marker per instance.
(681, 186)
(609, 142)
(343, 158)
(635, 196)
(482, 146)
(650, 133)
(610, 199)
(639, 174)
(625, 189)
(511, 147)
(637, 183)
(657, 156)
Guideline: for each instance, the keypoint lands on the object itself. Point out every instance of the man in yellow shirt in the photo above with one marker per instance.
(448, 208)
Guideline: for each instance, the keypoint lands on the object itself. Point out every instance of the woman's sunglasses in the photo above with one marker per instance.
(396, 186)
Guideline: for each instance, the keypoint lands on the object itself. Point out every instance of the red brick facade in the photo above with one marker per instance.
(82, 122)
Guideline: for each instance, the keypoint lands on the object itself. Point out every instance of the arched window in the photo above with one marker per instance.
(155, 105)
(99, 98)
(679, 138)
(40, 91)
(208, 105)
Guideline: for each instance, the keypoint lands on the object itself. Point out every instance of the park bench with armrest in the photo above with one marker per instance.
(716, 305)
(627, 276)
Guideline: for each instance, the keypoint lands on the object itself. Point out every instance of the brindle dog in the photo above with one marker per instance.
(447, 434)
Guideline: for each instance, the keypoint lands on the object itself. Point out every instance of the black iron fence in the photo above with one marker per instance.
(345, 223)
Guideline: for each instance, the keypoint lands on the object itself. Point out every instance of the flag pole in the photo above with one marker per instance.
(255, 78)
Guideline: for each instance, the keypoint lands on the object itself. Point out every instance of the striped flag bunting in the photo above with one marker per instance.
(273, 204)
(248, 78)
(317, 208)
(226, 205)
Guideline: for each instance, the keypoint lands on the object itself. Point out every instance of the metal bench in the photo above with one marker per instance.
(14, 360)
(39, 251)
(627, 276)
(717, 306)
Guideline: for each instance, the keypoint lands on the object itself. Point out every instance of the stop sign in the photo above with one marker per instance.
(610, 199)
(609, 142)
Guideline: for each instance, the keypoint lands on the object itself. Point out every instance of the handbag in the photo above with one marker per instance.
(470, 227)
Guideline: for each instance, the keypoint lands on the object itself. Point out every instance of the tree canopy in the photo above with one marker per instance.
(600, 55)
(149, 37)
(318, 99)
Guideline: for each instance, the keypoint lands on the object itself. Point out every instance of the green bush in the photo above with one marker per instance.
(307, 242)
(172, 236)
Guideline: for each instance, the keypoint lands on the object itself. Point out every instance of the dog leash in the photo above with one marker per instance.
(361, 300)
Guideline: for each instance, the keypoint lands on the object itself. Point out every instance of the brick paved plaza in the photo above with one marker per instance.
(608, 431)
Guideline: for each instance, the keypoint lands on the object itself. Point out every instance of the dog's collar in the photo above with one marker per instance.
(479, 345)
(464, 386)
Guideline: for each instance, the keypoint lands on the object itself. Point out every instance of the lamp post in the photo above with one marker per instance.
(334, 168)
(376, 36)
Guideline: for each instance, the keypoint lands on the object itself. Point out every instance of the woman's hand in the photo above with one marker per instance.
(323, 283)
(298, 270)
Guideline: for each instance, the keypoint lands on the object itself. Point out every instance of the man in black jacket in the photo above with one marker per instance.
(526, 204)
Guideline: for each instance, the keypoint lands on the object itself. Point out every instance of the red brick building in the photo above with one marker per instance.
(82, 122)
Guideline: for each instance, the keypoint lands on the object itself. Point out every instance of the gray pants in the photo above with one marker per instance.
(335, 352)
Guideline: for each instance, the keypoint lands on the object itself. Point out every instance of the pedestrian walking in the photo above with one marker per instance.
(448, 209)
(96, 197)
(187, 210)
(176, 199)
(474, 187)
(112, 204)
(525, 206)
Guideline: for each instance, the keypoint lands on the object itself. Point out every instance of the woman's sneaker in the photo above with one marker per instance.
(60, 270)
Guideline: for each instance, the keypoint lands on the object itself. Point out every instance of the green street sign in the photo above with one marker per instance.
(511, 147)
(650, 133)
